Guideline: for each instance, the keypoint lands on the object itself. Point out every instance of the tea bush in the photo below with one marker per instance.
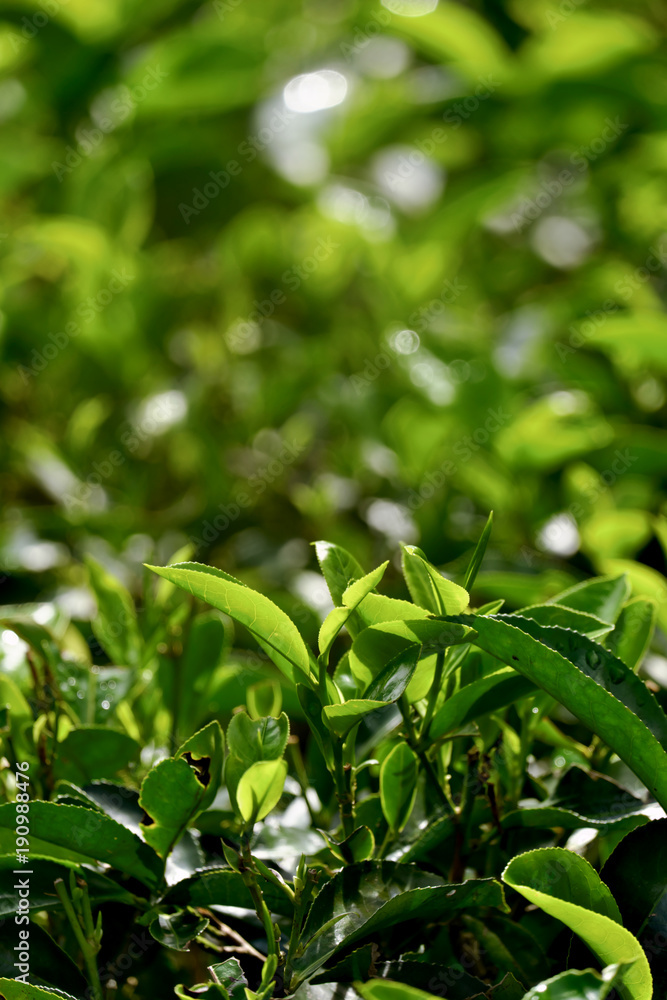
(440, 799)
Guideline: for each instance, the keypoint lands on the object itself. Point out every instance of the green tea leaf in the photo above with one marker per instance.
(478, 554)
(342, 718)
(340, 569)
(636, 874)
(172, 793)
(590, 682)
(260, 789)
(383, 989)
(603, 596)
(573, 984)
(80, 834)
(43, 874)
(488, 694)
(428, 588)
(178, 930)
(12, 989)
(224, 887)
(91, 752)
(568, 888)
(633, 632)
(257, 613)
(115, 624)
(204, 753)
(367, 898)
(392, 681)
(398, 785)
(377, 645)
(578, 621)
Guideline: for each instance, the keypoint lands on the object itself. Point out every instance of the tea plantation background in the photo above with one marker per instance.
(244, 308)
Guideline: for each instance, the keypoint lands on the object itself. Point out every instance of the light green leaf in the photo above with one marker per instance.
(575, 985)
(12, 989)
(276, 631)
(172, 793)
(398, 785)
(260, 789)
(429, 588)
(340, 569)
(252, 740)
(384, 989)
(568, 888)
(352, 598)
(204, 752)
(355, 593)
(115, 624)
(373, 649)
(342, 718)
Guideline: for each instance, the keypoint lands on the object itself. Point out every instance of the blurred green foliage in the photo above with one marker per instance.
(233, 320)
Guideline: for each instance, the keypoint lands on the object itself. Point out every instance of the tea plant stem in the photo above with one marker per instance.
(414, 743)
(433, 693)
(343, 781)
(262, 910)
(87, 949)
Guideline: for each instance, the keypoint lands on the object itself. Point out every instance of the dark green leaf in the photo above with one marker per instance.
(602, 596)
(636, 874)
(392, 681)
(488, 694)
(590, 682)
(367, 898)
(633, 632)
(224, 887)
(398, 785)
(79, 834)
(43, 874)
(91, 752)
(178, 930)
